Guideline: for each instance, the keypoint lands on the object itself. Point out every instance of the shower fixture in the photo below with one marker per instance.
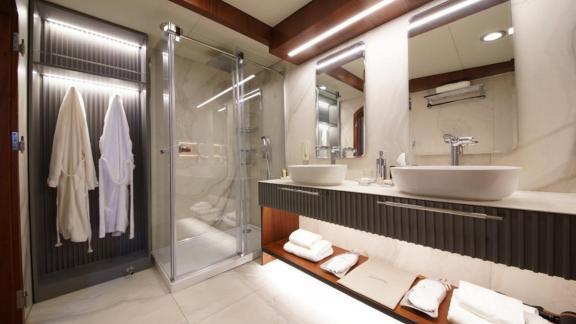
(266, 154)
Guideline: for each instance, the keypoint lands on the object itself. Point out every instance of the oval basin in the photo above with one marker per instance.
(318, 174)
(458, 182)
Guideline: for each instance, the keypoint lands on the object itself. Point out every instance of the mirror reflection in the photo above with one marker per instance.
(462, 85)
(340, 104)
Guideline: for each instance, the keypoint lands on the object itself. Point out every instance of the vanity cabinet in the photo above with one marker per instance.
(527, 239)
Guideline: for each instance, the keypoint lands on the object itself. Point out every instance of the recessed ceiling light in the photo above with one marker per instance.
(490, 37)
(343, 25)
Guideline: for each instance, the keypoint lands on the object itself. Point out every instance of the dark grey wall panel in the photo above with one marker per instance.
(61, 58)
(538, 241)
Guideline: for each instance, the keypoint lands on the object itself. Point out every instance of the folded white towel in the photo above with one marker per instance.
(304, 238)
(319, 251)
(490, 305)
(340, 264)
(427, 295)
(459, 315)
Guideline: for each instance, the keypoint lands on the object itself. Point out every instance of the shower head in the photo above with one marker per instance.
(265, 147)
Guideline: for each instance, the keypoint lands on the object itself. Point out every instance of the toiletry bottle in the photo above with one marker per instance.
(381, 168)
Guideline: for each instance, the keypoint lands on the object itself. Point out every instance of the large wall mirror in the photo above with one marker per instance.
(462, 80)
(340, 104)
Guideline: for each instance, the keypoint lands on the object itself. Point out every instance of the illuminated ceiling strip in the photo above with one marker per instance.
(92, 33)
(339, 57)
(341, 26)
(225, 91)
(92, 83)
(441, 13)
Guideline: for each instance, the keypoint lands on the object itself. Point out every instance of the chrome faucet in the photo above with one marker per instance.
(335, 153)
(457, 146)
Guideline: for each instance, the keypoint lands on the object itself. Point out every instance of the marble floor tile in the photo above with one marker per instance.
(142, 299)
(250, 310)
(210, 296)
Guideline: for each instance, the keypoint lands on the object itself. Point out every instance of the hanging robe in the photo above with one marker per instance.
(116, 167)
(72, 171)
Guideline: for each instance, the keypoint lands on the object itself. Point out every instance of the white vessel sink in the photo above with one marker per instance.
(458, 182)
(318, 174)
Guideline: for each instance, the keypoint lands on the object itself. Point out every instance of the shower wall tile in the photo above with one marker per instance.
(546, 76)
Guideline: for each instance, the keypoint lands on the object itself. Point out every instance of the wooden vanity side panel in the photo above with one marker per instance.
(277, 224)
(538, 241)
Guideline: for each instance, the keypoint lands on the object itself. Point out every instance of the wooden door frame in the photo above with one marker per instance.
(11, 278)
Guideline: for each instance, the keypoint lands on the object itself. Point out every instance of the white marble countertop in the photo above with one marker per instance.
(552, 202)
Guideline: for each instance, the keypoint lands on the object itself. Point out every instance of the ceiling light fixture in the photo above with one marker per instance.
(225, 91)
(441, 13)
(341, 26)
(339, 57)
(492, 36)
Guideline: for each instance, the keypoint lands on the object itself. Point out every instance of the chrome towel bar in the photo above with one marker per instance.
(311, 193)
(441, 210)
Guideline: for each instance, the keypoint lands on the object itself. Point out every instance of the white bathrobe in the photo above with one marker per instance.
(72, 170)
(115, 168)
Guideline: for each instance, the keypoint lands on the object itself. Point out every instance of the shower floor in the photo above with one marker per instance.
(208, 246)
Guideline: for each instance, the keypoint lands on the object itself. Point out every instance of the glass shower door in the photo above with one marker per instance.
(206, 172)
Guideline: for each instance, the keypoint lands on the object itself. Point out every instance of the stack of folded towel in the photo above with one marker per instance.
(474, 304)
(308, 245)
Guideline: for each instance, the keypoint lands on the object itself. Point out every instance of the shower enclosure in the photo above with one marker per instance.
(207, 155)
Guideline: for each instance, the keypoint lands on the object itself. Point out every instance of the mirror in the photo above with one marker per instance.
(340, 104)
(462, 80)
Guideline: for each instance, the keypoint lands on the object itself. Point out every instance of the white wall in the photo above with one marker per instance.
(545, 49)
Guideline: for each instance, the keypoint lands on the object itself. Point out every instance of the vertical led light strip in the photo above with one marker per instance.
(341, 26)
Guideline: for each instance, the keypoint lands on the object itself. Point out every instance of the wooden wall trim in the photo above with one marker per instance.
(10, 240)
(433, 81)
(231, 17)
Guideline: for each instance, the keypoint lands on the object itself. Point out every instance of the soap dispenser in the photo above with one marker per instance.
(381, 168)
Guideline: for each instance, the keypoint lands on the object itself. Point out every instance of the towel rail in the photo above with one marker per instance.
(441, 210)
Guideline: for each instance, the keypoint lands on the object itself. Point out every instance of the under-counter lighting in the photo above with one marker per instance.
(87, 32)
(341, 26)
(225, 91)
(492, 36)
(441, 13)
(354, 50)
(73, 81)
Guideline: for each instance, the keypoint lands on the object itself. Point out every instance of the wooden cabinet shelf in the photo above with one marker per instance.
(275, 249)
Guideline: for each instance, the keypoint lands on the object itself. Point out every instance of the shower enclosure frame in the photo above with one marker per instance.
(175, 280)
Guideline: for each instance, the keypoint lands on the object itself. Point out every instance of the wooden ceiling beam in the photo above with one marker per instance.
(231, 17)
(309, 21)
(320, 15)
